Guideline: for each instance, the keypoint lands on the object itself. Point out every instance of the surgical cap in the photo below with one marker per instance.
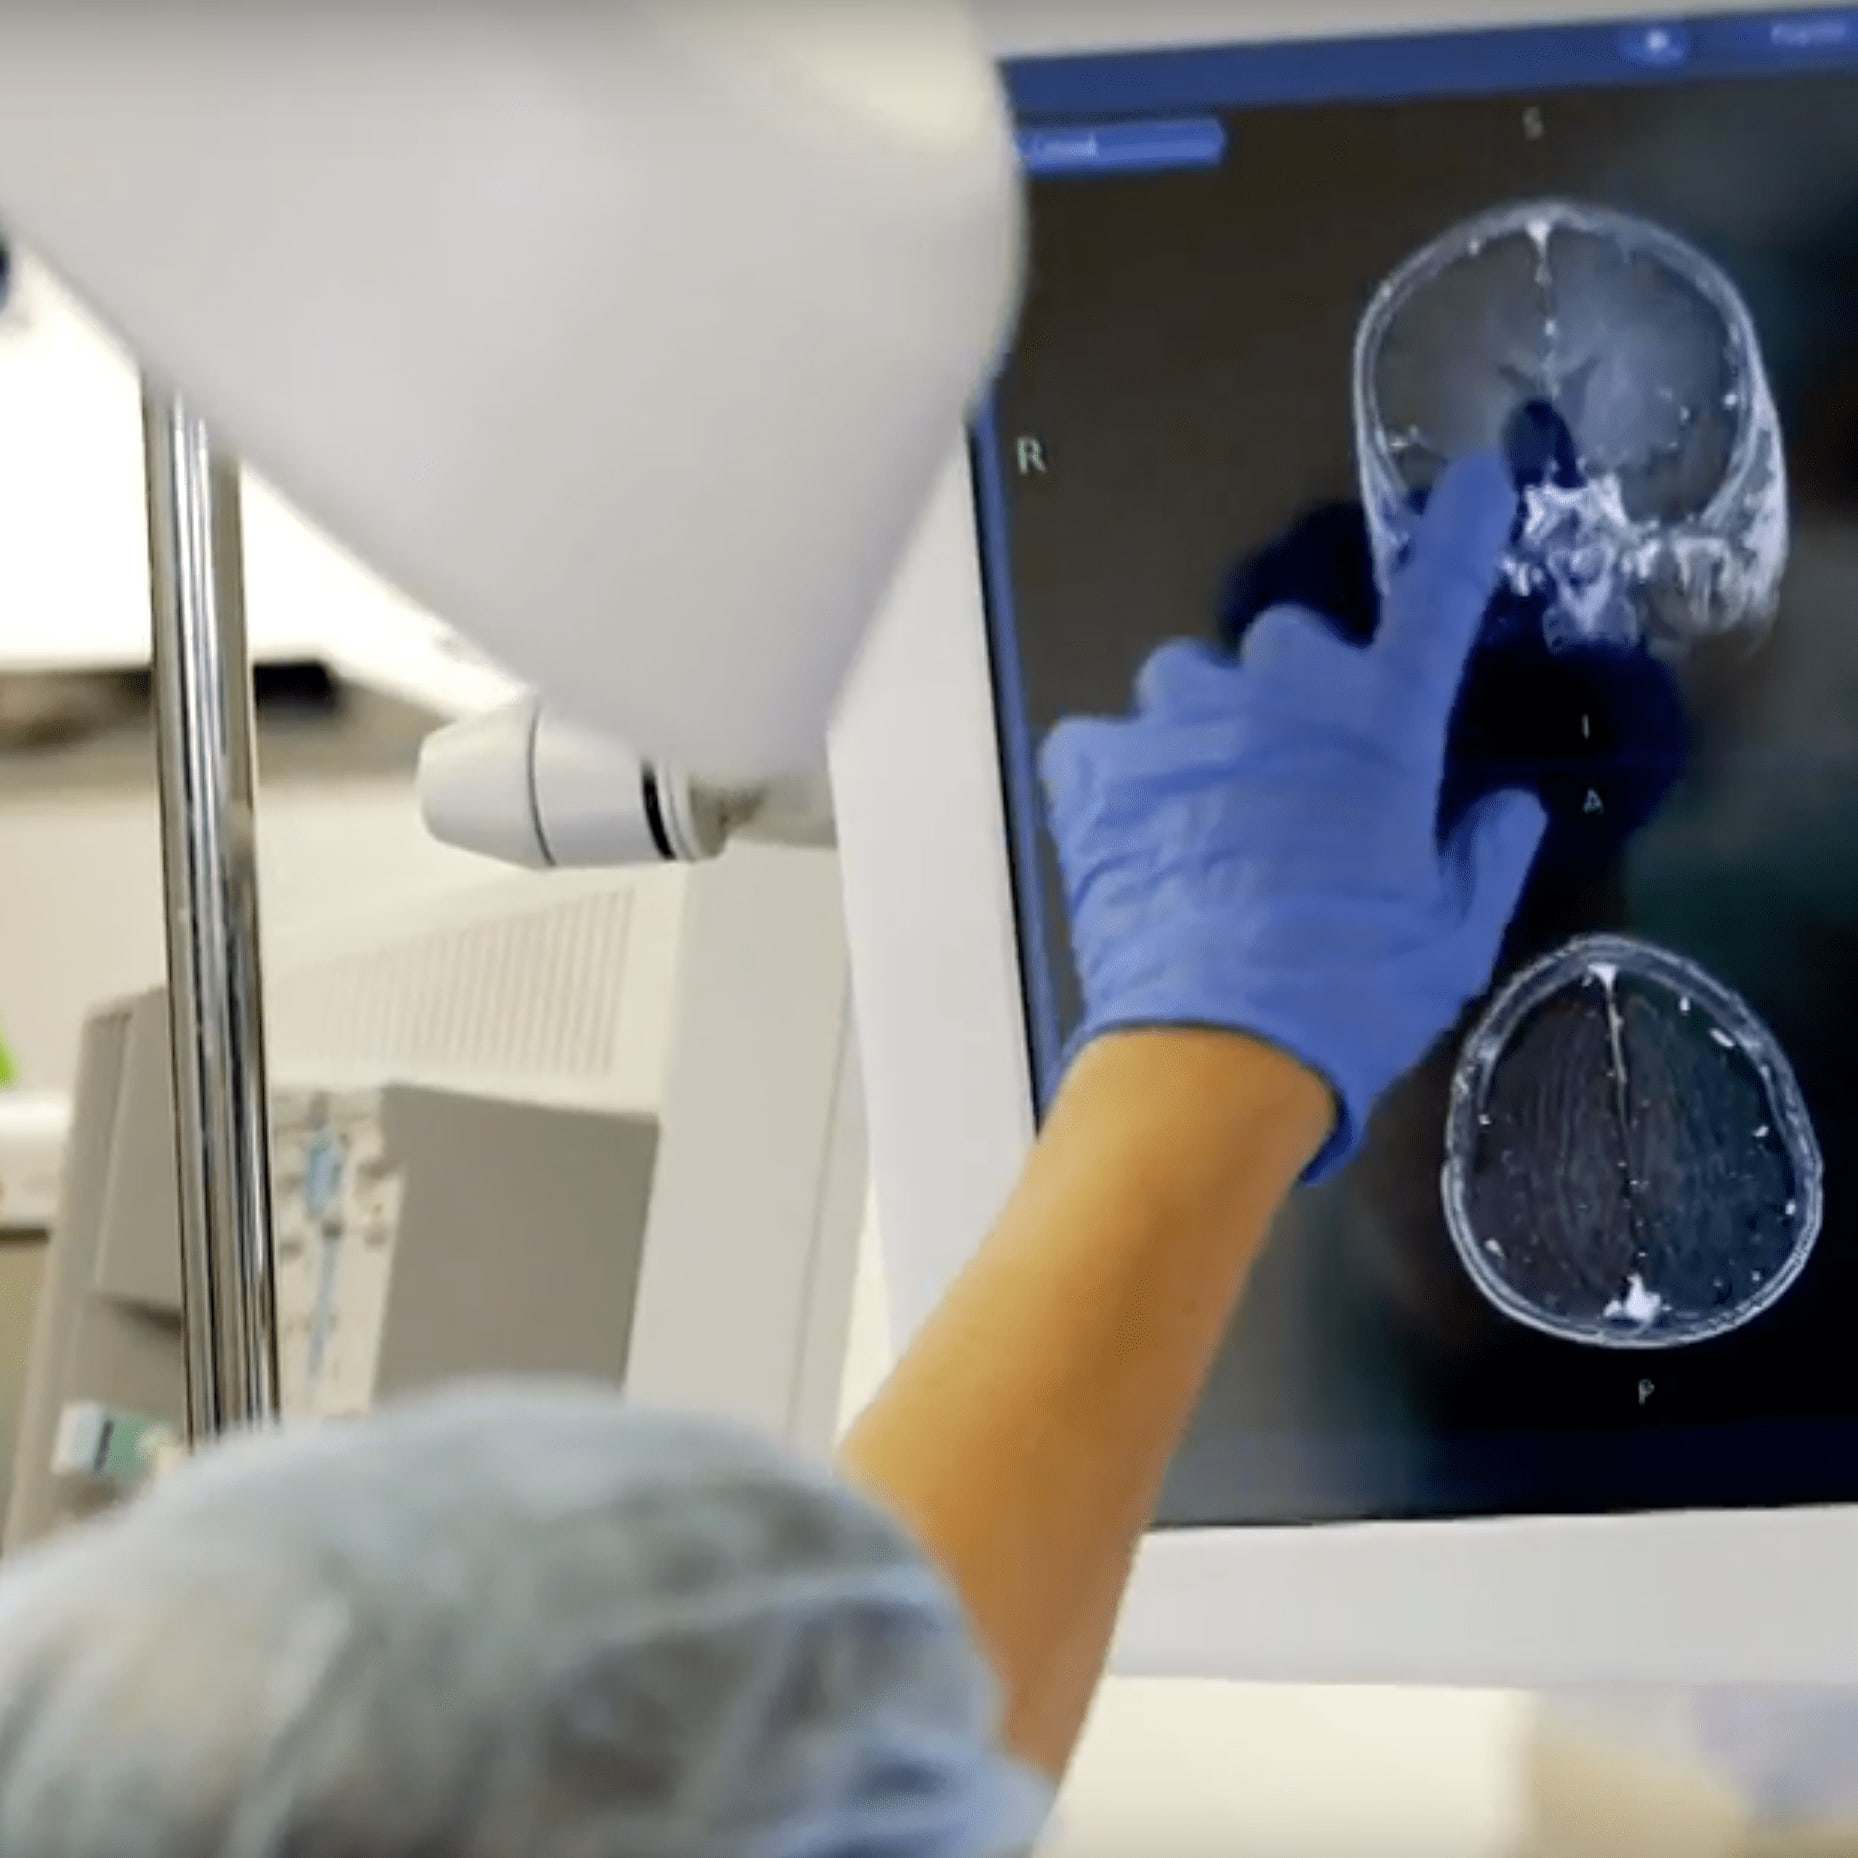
(502, 1623)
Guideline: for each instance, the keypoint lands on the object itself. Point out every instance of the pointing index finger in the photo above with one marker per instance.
(1437, 601)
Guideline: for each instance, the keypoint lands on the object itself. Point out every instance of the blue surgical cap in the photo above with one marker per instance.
(509, 1622)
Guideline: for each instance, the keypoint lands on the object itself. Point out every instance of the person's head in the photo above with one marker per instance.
(497, 1624)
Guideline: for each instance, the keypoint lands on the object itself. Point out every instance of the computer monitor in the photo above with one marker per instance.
(1485, 1413)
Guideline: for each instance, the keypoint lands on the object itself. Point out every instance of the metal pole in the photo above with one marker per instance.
(204, 750)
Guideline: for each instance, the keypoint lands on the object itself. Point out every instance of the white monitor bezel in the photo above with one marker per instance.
(1751, 1597)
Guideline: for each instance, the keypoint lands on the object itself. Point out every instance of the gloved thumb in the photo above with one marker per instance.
(1493, 851)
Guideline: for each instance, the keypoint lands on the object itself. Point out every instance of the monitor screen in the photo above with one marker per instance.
(1599, 1253)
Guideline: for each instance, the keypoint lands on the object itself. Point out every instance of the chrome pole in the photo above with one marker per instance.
(205, 761)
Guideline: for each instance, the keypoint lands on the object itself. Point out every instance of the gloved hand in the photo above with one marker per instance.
(1257, 848)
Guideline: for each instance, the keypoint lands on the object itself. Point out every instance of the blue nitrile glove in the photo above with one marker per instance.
(1256, 849)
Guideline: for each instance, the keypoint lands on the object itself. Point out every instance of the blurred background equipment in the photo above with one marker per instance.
(495, 1142)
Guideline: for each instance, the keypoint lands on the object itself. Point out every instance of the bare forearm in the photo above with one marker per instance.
(1025, 1435)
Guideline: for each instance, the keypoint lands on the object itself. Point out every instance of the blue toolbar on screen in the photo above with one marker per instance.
(1436, 64)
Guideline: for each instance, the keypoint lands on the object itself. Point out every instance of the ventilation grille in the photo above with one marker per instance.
(525, 996)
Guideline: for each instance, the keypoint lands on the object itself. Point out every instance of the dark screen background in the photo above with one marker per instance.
(1183, 370)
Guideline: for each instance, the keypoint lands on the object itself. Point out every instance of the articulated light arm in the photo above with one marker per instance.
(526, 787)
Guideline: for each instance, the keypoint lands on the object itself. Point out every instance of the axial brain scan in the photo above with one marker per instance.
(1629, 1162)
(1618, 369)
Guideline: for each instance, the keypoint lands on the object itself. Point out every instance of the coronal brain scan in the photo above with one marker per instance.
(1618, 369)
(1598, 1251)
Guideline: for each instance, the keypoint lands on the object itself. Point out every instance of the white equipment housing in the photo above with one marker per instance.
(627, 339)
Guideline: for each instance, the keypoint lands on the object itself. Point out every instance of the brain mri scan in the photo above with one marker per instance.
(1618, 369)
(1629, 1161)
